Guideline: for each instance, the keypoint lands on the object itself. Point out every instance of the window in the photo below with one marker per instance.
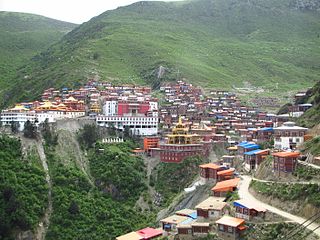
(230, 229)
(221, 228)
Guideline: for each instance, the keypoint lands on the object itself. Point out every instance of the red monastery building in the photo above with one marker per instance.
(181, 145)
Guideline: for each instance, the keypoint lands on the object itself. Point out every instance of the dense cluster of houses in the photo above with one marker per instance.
(121, 107)
(190, 122)
(214, 214)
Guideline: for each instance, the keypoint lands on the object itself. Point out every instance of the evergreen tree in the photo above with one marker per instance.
(14, 127)
(29, 130)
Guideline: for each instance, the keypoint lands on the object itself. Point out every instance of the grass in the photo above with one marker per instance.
(22, 36)
(289, 192)
(215, 44)
(170, 179)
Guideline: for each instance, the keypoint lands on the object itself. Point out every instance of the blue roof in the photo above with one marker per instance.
(193, 215)
(242, 143)
(252, 152)
(236, 204)
(187, 221)
(266, 129)
(250, 145)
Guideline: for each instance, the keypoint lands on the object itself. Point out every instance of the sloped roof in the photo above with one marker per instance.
(224, 185)
(230, 221)
(248, 204)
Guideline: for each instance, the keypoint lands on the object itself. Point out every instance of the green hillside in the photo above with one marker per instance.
(212, 43)
(311, 117)
(24, 35)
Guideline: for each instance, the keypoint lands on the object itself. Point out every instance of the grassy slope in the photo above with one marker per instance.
(312, 116)
(213, 43)
(22, 36)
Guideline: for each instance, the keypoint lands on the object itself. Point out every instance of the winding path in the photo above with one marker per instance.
(246, 195)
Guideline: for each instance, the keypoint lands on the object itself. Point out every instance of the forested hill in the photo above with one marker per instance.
(213, 43)
(22, 36)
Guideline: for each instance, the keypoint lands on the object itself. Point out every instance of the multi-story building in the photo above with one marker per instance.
(285, 162)
(181, 144)
(18, 115)
(230, 228)
(138, 125)
(289, 136)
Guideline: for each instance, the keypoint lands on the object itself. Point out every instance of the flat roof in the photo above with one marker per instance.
(215, 203)
(286, 154)
(148, 232)
(253, 152)
(130, 236)
(200, 224)
(230, 221)
(248, 204)
(176, 219)
(211, 166)
(226, 172)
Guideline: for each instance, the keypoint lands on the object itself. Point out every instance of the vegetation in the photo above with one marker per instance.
(171, 178)
(22, 36)
(312, 116)
(30, 130)
(204, 41)
(88, 135)
(312, 146)
(306, 172)
(49, 134)
(273, 231)
(23, 190)
(289, 192)
(103, 210)
(118, 173)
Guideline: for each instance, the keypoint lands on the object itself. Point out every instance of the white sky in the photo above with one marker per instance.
(76, 11)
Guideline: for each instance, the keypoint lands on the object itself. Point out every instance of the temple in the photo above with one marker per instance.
(182, 144)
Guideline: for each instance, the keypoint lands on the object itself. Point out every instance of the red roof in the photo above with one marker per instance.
(148, 233)
(226, 172)
(286, 154)
(226, 185)
(210, 165)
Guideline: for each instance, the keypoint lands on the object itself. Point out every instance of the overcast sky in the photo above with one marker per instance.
(76, 11)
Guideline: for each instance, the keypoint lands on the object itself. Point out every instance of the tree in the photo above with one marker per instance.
(29, 130)
(126, 132)
(14, 127)
(88, 135)
(74, 208)
(49, 135)
(112, 130)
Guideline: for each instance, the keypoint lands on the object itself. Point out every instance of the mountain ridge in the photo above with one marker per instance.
(211, 43)
(23, 35)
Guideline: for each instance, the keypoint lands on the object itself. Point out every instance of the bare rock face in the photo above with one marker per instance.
(161, 72)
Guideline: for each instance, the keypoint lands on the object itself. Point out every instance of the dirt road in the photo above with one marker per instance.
(245, 194)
